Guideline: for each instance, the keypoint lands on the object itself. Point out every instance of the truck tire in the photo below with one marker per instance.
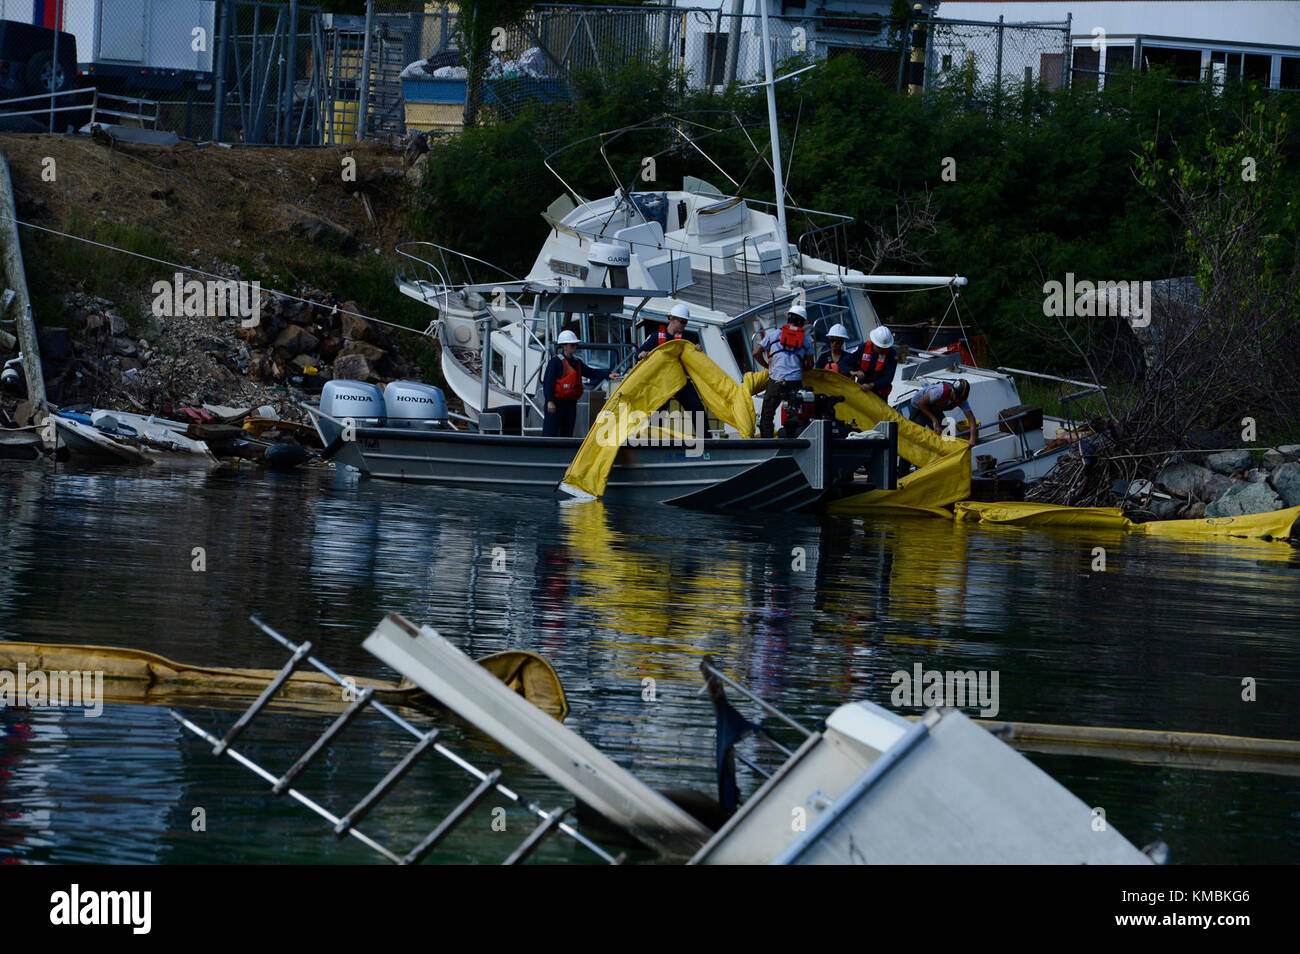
(38, 72)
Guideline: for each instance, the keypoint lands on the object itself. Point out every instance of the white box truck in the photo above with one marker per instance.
(131, 45)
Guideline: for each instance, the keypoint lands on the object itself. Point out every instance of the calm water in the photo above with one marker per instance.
(612, 597)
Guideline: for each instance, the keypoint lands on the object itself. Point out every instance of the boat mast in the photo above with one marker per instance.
(770, 84)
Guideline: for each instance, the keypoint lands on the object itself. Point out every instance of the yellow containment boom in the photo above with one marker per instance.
(943, 466)
(1277, 525)
(133, 675)
(648, 387)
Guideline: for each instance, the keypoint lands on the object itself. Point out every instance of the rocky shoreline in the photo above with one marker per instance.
(182, 360)
(1229, 483)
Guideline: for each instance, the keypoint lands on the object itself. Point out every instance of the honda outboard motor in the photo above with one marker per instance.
(362, 402)
(412, 404)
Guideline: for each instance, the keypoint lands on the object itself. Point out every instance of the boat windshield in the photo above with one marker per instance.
(607, 341)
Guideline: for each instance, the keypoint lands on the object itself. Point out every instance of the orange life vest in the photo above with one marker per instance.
(791, 337)
(664, 336)
(568, 386)
(948, 401)
(873, 362)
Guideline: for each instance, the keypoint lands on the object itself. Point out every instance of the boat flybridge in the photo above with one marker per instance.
(722, 256)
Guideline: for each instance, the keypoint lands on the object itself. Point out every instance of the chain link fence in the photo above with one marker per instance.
(288, 73)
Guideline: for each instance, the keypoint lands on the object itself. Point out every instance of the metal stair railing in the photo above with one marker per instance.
(346, 824)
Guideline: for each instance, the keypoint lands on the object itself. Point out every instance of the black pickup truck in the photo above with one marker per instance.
(27, 59)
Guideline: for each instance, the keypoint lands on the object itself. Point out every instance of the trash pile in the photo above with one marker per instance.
(192, 385)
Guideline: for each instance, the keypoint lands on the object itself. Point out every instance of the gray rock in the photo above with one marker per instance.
(1229, 462)
(1255, 475)
(1286, 481)
(1195, 510)
(116, 325)
(123, 346)
(1165, 509)
(355, 367)
(1245, 499)
(415, 174)
(313, 227)
(296, 340)
(1273, 458)
(1290, 451)
(1195, 481)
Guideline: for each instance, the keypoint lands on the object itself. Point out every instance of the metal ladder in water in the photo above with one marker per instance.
(346, 824)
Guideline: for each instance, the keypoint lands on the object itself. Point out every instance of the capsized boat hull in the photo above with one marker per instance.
(725, 474)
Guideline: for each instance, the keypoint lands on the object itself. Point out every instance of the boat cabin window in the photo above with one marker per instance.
(741, 336)
(613, 337)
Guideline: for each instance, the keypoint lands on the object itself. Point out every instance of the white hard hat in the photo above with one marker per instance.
(838, 331)
(681, 311)
(799, 310)
(882, 337)
(567, 337)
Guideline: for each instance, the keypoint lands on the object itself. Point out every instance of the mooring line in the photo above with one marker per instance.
(206, 274)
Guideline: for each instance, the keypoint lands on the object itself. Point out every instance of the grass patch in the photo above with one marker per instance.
(53, 262)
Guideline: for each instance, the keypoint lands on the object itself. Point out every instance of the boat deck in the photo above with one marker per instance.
(731, 293)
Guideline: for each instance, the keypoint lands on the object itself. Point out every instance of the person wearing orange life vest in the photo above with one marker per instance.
(837, 358)
(676, 329)
(879, 362)
(562, 386)
(786, 351)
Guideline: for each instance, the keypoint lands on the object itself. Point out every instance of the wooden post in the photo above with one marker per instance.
(16, 278)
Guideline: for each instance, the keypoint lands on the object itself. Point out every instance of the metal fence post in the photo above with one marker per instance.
(291, 68)
(902, 51)
(733, 40)
(997, 98)
(363, 106)
(54, 67)
(1066, 64)
(219, 81)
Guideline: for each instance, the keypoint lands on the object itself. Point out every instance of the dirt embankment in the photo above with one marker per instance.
(315, 223)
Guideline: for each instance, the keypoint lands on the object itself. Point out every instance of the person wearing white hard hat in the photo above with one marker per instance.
(562, 386)
(786, 351)
(878, 363)
(837, 357)
(676, 330)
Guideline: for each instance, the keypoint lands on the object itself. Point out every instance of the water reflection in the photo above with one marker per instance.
(809, 612)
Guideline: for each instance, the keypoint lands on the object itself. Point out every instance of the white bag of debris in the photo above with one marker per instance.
(532, 62)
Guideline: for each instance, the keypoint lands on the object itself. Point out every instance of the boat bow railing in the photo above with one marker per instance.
(439, 272)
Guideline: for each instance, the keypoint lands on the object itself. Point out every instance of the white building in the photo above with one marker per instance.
(1255, 39)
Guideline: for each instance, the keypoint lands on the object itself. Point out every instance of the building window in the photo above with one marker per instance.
(1256, 68)
(1051, 69)
(1290, 78)
(1118, 58)
(1183, 64)
(716, 59)
(1087, 64)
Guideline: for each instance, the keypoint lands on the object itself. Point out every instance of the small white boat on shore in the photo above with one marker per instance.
(125, 438)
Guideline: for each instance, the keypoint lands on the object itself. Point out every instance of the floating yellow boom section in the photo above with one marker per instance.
(134, 675)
